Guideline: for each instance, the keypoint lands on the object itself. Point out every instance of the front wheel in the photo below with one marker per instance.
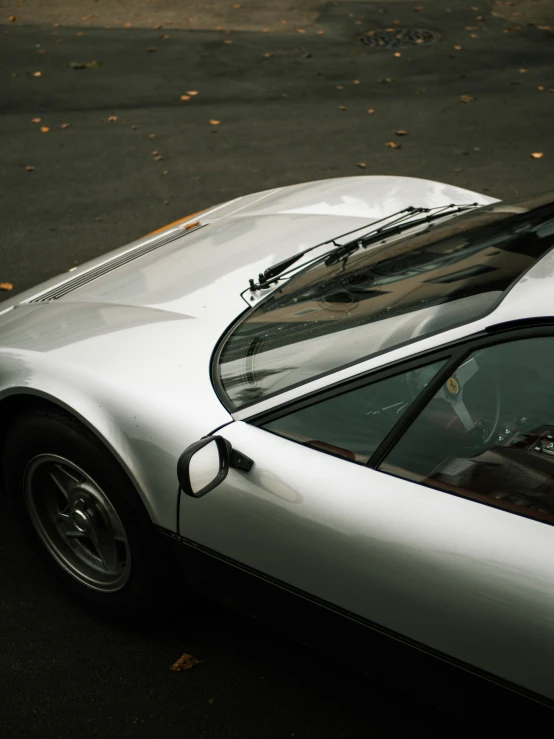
(80, 508)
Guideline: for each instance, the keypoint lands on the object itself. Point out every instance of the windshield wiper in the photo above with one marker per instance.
(399, 223)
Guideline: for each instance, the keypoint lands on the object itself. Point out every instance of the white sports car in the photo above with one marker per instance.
(331, 399)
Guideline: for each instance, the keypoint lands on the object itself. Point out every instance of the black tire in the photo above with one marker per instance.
(53, 432)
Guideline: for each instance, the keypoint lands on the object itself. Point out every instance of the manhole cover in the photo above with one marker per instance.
(392, 38)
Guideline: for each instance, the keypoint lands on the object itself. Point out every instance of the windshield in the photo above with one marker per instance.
(330, 315)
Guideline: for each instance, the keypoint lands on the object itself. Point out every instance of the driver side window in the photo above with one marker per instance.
(488, 433)
(353, 424)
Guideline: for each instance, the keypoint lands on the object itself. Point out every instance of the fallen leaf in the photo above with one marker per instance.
(543, 28)
(166, 202)
(165, 171)
(185, 661)
(267, 55)
(393, 145)
(401, 132)
(37, 74)
(361, 165)
(371, 110)
(44, 129)
(85, 65)
(227, 41)
(523, 70)
(12, 18)
(540, 87)
(320, 33)
(64, 125)
(397, 54)
(184, 97)
(537, 154)
(30, 168)
(112, 118)
(192, 92)
(356, 82)
(127, 25)
(300, 30)
(57, 25)
(472, 28)
(6, 286)
(473, 35)
(134, 127)
(342, 107)
(458, 47)
(151, 135)
(36, 120)
(340, 87)
(480, 18)
(213, 122)
(155, 153)
(152, 48)
(165, 36)
(466, 98)
(158, 158)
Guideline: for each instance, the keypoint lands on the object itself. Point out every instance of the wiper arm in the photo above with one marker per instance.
(268, 276)
(399, 224)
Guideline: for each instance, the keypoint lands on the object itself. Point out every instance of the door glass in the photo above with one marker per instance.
(488, 433)
(353, 424)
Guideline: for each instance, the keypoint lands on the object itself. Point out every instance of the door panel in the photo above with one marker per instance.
(474, 582)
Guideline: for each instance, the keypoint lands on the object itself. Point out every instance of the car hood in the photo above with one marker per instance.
(201, 273)
(150, 314)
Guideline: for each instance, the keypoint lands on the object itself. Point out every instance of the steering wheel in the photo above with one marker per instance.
(481, 422)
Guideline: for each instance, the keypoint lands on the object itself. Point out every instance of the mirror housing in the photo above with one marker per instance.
(224, 450)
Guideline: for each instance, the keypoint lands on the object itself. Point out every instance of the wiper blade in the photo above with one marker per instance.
(344, 251)
(400, 223)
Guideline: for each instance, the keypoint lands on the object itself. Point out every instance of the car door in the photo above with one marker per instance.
(420, 500)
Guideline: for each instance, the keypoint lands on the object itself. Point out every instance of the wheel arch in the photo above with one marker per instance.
(22, 400)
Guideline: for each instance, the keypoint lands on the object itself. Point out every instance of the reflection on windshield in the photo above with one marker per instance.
(328, 316)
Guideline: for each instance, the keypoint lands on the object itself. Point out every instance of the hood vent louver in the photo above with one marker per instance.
(92, 274)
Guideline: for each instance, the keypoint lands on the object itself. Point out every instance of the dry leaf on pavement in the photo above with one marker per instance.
(6, 286)
(44, 129)
(12, 18)
(371, 110)
(397, 54)
(523, 70)
(185, 661)
(64, 125)
(213, 122)
(152, 48)
(192, 92)
(112, 118)
(36, 120)
(466, 98)
(401, 132)
(537, 154)
(458, 47)
(85, 65)
(393, 145)
(30, 168)
(361, 165)
(37, 74)
(184, 97)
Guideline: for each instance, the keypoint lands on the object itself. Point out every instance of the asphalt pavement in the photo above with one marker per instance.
(140, 125)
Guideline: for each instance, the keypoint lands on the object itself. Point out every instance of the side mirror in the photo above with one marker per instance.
(203, 465)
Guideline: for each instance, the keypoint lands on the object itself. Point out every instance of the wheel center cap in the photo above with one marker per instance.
(80, 520)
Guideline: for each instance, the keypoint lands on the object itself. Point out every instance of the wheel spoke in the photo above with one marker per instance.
(64, 481)
(108, 554)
